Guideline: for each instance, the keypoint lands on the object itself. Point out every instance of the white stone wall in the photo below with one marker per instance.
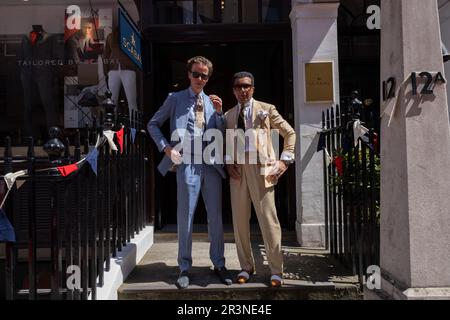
(314, 38)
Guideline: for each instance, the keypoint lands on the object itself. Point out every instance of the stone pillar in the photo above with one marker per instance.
(444, 18)
(314, 38)
(415, 158)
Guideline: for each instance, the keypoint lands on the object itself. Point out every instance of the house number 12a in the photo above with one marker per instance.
(390, 85)
(428, 87)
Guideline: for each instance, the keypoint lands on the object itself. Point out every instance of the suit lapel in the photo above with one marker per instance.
(184, 113)
(207, 108)
(255, 110)
(232, 117)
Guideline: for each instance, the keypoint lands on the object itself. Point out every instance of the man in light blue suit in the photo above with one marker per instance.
(192, 113)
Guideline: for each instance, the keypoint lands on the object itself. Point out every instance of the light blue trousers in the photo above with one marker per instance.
(191, 179)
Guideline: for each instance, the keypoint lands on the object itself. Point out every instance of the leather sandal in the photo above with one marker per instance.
(276, 281)
(244, 276)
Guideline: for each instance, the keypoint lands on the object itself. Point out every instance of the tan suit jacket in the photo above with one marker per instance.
(265, 117)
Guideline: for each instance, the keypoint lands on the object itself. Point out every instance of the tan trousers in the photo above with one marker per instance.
(250, 188)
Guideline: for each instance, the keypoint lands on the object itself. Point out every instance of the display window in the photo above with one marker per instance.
(58, 60)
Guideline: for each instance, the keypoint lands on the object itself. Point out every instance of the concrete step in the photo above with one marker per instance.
(309, 274)
(292, 290)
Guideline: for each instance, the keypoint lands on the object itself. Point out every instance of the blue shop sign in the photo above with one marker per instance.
(130, 39)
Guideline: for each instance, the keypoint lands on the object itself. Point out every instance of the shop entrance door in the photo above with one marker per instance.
(267, 61)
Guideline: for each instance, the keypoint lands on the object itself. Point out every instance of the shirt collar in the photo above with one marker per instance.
(192, 94)
(248, 104)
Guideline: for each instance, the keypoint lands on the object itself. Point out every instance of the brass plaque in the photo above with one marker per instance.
(319, 85)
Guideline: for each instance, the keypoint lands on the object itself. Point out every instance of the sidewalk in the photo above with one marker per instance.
(309, 274)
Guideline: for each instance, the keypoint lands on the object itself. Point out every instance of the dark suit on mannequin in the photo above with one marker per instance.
(37, 67)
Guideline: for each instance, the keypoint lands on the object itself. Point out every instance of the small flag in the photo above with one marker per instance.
(92, 159)
(358, 131)
(110, 137)
(66, 170)
(321, 144)
(119, 135)
(6, 229)
(4, 191)
(10, 178)
(133, 134)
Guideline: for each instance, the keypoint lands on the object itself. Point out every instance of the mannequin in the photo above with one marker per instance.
(120, 70)
(37, 53)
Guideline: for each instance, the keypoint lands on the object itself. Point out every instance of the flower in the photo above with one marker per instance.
(262, 114)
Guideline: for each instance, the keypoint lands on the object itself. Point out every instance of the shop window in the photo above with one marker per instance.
(54, 61)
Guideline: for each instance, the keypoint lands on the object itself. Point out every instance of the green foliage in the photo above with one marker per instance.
(360, 179)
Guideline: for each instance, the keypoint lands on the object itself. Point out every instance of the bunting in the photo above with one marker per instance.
(3, 192)
(67, 170)
(133, 135)
(6, 229)
(109, 134)
(119, 135)
(91, 158)
(11, 178)
(358, 131)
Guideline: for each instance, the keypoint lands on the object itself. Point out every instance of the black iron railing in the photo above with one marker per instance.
(69, 225)
(352, 185)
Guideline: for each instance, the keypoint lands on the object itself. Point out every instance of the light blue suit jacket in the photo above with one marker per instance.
(176, 108)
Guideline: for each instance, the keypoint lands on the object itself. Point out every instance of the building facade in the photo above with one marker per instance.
(276, 40)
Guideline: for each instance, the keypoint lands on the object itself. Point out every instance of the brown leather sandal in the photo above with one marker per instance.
(244, 276)
(276, 281)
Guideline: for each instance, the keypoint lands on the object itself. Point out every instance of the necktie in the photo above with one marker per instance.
(241, 118)
(199, 112)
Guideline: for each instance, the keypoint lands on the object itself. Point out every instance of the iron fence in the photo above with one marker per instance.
(351, 174)
(72, 221)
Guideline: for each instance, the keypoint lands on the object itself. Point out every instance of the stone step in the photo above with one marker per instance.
(308, 274)
(291, 290)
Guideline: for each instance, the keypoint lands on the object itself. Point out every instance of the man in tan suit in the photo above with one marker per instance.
(254, 171)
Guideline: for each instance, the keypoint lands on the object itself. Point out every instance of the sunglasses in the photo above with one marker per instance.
(244, 86)
(196, 75)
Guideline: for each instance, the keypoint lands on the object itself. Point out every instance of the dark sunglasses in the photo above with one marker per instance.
(196, 75)
(245, 86)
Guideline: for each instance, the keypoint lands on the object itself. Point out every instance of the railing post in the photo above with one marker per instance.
(11, 251)
(54, 148)
(325, 182)
(32, 279)
(108, 124)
